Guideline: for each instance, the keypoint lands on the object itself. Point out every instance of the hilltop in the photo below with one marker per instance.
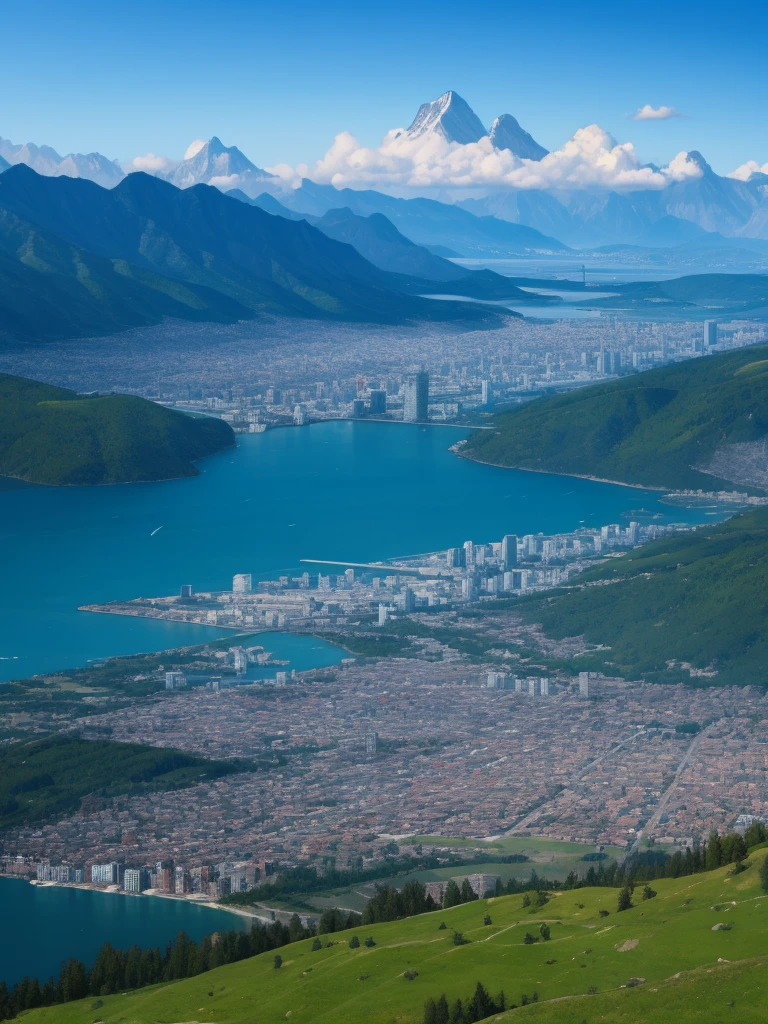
(701, 423)
(51, 435)
(690, 952)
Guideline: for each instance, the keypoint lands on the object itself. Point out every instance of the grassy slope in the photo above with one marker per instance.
(50, 435)
(698, 598)
(344, 986)
(648, 428)
(51, 776)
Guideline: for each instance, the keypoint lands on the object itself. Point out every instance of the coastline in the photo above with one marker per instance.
(149, 893)
(661, 488)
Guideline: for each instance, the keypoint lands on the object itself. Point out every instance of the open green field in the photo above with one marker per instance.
(689, 971)
(550, 858)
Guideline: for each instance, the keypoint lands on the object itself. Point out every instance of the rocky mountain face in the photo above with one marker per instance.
(506, 133)
(450, 117)
(46, 160)
(213, 163)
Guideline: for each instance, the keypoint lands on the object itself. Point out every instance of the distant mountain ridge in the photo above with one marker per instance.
(588, 217)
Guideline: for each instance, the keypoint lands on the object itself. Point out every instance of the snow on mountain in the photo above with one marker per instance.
(450, 117)
(213, 163)
(506, 133)
(47, 161)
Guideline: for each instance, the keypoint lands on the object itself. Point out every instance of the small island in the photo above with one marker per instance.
(51, 435)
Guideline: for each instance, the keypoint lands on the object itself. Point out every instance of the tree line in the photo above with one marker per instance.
(117, 970)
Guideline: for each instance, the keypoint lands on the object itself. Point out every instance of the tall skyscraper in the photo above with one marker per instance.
(416, 401)
(710, 333)
(371, 741)
(242, 583)
(186, 590)
(509, 550)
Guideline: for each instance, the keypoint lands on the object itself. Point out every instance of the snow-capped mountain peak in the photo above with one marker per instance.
(450, 117)
(214, 163)
(506, 133)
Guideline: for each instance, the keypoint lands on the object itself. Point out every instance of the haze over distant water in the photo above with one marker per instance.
(348, 491)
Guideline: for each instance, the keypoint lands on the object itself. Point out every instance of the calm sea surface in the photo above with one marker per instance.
(43, 926)
(343, 490)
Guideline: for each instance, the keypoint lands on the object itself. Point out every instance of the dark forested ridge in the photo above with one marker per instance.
(650, 428)
(51, 776)
(50, 435)
(77, 260)
(696, 599)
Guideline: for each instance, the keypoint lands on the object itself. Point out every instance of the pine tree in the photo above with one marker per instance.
(764, 874)
(625, 899)
(452, 895)
(544, 932)
(443, 1014)
(457, 1013)
(713, 857)
(430, 1012)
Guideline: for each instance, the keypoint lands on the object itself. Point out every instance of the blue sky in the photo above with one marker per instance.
(280, 80)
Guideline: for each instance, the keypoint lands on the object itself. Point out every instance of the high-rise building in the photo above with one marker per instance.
(358, 408)
(186, 590)
(544, 687)
(242, 583)
(486, 396)
(409, 600)
(584, 680)
(105, 874)
(469, 553)
(509, 550)
(416, 399)
(378, 402)
(371, 741)
(710, 333)
(383, 614)
(175, 680)
(239, 659)
(136, 880)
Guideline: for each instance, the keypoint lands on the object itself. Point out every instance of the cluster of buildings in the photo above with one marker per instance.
(410, 746)
(511, 365)
(381, 591)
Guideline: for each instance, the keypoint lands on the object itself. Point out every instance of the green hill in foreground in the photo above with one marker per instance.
(50, 435)
(51, 776)
(649, 428)
(696, 598)
(696, 952)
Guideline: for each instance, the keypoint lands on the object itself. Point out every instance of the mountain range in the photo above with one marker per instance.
(78, 259)
(697, 210)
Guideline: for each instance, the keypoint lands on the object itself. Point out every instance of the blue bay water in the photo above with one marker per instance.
(45, 925)
(339, 490)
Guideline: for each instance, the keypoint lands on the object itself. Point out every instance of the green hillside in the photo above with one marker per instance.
(50, 435)
(649, 428)
(696, 951)
(697, 598)
(51, 776)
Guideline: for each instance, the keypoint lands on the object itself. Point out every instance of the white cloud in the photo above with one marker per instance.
(150, 163)
(591, 158)
(194, 148)
(649, 113)
(745, 172)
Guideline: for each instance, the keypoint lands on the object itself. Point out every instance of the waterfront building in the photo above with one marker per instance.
(242, 583)
(509, 550)
(186, 590)
(239, 658)
(136, 879)
(300, 418)
(416, 398)
(358, 408)
(378, 402)
(469, 553)
(105, 874)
